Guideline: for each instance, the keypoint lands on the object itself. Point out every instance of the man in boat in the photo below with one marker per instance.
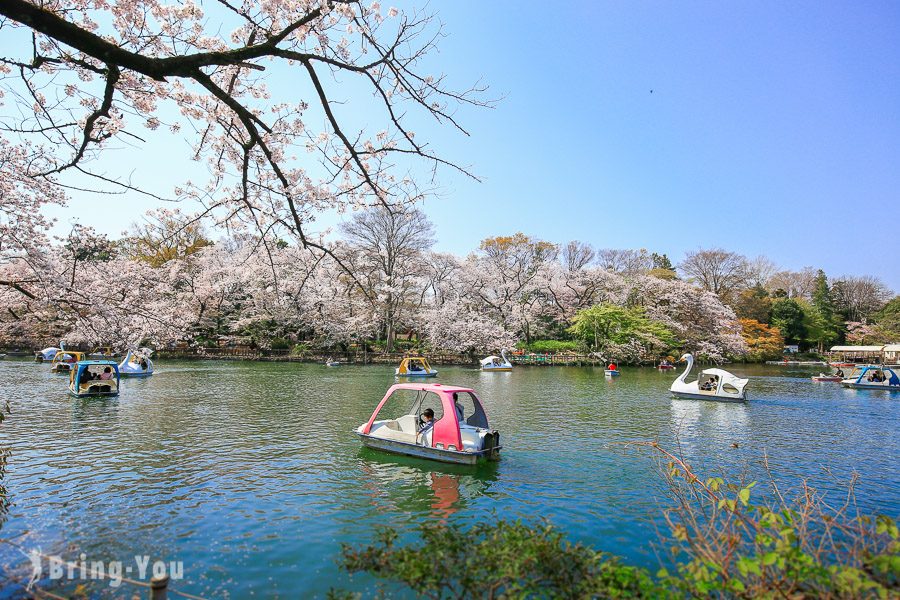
(106, 374)
(840, 373)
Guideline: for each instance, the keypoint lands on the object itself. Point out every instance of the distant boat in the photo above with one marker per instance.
(713, 384)
(137, 363)
(45, 354)
(415, 366)
(496, 363)
(822, 377)
(64, 361)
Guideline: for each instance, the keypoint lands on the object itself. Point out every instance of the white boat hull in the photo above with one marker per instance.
(416, 374)
(135, 373)
(870, 386)
(397, 447)
(713, 397)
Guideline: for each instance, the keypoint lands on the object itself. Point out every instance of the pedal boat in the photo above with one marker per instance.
(822, 377)
(723, 386)
(65, 360)
(496, 363)
(84, 379)
(45, 354)
(137, 363)
(415, 366)
(451, 438)
(873, 377)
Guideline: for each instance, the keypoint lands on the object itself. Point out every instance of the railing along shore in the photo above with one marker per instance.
(360, 357)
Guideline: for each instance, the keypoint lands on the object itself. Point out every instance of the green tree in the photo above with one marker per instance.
(787, 316)
(661, 261)
(887, 320)
(824, 325)
(755, 304)
(603, 325)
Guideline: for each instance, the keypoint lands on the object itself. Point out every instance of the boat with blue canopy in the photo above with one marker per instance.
(873, 377)
(94, 378)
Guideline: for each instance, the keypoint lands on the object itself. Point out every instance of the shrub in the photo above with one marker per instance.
(552, 346)
(280, 344)
(505, 560)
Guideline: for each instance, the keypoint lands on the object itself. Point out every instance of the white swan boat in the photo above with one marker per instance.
(496, 363)
(713, 384)
(137, 363)
(45, 354)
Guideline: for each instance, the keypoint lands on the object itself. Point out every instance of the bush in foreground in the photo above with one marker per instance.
(724, 546)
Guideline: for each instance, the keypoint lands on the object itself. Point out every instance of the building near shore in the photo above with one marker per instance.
(886, 354)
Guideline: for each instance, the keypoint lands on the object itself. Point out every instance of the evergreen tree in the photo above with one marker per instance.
(827, 321)
(787, 316)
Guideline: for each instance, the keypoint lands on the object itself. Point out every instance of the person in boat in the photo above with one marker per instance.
(144, 364)
(709, 385)
(611, 367)
(86, 377)
(840, 372)
(460, 412)
(427, 421)
(107, 374)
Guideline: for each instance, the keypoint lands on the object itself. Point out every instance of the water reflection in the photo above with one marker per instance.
(697, 422)
(416, 486)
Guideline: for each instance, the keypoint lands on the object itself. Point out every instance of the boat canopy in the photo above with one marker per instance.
(446, 430)
(66, 355)
(724, 378)
(887, 374)
(413, 364)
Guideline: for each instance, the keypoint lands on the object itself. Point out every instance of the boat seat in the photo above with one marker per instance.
(408, 424)
(386, 432)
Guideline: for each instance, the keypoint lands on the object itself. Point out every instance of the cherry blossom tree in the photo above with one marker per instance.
(389, 246)
(88, 77)
(508, 277)
(716, 270)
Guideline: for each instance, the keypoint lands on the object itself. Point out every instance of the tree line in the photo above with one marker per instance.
(382, 285)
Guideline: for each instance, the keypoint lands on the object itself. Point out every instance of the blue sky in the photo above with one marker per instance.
(761, 127)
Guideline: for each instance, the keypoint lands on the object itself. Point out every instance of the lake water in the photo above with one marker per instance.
(249, 474)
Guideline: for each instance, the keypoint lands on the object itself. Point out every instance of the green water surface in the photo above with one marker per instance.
(249, 474)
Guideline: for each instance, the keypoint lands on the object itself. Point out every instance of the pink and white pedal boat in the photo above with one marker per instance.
(458, 433)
